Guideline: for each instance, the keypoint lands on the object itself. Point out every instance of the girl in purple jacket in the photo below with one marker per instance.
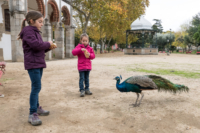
(84, 64)
(34, 60)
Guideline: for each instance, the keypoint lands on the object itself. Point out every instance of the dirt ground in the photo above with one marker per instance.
(107, 110)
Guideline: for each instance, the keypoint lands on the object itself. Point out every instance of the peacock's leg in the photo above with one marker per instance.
(136, 100)
(141, 99)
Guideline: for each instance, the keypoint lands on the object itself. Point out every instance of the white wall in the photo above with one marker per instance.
(1, 15)
(62, 4)
(5, 43)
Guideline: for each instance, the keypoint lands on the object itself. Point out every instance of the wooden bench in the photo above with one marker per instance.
(198, 53)
(189, 52)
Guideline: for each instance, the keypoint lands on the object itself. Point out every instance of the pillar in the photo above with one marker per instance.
(18, 10)
(46, 35)
(59, 40)
(70, 40)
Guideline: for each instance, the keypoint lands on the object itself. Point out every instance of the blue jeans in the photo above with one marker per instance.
(35, 76)
(84, 77)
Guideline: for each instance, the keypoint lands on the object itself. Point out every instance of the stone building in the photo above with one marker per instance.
(57, 26)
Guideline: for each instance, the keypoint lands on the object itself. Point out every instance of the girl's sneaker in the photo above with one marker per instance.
(88, 92)
(42, 112)
(34, 119)
(82, 94)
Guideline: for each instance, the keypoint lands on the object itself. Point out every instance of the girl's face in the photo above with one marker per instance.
(38, 23)
(84, 41)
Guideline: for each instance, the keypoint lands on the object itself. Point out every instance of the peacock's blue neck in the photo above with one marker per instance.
(121, 87)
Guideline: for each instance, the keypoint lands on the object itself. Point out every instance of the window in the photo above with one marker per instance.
(7, 20)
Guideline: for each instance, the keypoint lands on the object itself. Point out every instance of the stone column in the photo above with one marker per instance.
(70, 40)
(46, 35)
(18, 10)
(59, 40)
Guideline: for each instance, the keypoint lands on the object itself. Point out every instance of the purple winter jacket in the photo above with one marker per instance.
(34, 48)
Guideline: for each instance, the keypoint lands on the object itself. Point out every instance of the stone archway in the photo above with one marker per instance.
(55, 14)
(37, 6)
(41, 7)
(66, 15)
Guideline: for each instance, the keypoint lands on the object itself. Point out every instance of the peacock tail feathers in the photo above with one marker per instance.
(142, 81)
(166, 85)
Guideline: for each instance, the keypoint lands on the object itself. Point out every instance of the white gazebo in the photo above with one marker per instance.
(141, 27)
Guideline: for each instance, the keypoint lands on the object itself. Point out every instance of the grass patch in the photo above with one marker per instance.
(4, 80)
(193, 52)
(194, 75)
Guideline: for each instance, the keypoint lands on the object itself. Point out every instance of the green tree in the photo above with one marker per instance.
(192, 30)
(158, 26)
(164, 40)
(197, 37)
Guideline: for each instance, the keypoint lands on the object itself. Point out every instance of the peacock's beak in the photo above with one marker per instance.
(114, 79)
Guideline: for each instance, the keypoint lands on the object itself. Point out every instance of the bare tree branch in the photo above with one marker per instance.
(70, 3)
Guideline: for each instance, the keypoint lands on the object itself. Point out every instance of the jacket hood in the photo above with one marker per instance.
(28, 28)
(82, 46)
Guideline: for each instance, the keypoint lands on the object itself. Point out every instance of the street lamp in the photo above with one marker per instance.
(168, 45)
(142, 39)
(170, 40)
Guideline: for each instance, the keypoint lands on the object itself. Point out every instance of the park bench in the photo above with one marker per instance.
(198, 53)
(189, 52)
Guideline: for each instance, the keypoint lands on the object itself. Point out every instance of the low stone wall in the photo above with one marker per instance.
(141, 51)
(1, 55)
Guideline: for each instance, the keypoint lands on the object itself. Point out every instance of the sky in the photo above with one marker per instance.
(173, 13)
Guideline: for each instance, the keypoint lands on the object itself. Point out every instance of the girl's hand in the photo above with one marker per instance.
(53, 46)
(88, 54)
(50, 42)
(83, 49)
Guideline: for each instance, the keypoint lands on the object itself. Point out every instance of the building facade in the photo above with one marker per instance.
(58, 27)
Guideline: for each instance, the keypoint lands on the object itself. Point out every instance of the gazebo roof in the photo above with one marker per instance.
(141, 24)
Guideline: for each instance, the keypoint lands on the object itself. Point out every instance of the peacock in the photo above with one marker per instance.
(138, 84)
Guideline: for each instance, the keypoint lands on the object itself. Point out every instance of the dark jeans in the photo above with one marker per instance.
(84, 77)
(35, 76)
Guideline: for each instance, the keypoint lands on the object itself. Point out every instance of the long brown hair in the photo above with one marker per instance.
(34, 15)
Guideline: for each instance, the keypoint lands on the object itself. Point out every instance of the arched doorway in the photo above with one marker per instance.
(53, 17)
(36, 6)
(66, 15)
(66, 24)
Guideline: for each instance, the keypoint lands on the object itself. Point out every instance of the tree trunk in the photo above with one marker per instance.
(86, 23)
(109, 43)
(103, 41)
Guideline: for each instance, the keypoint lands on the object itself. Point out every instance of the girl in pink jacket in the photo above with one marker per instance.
(84, 64)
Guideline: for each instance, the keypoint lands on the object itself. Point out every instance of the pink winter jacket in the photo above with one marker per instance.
(83, 62)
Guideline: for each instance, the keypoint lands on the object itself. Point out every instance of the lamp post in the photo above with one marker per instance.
(142, 39)
(168, 47)
(170, 40)
(127, 33)
(156, 39)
